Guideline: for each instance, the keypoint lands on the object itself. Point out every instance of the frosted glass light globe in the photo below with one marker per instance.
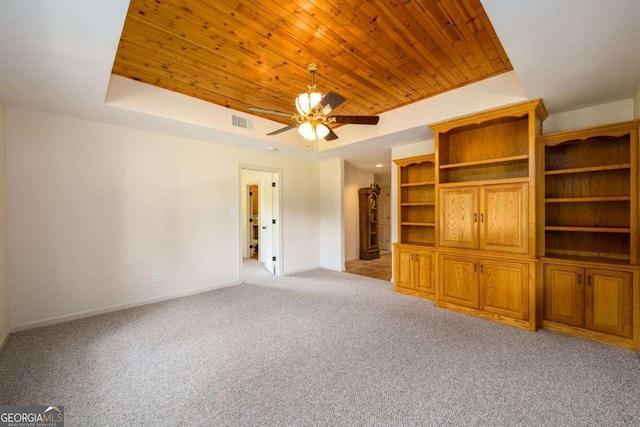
(307, 131)
(306, 101)
(322, 130)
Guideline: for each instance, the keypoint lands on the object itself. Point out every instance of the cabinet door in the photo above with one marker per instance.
(423, 277)
(608, 302)
(504, 288)
(564, 294)
(458, 225)
(403, 268)
(459, 280)
(504, 219)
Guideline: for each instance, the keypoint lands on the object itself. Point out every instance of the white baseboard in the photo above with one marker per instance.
(4, 339)
(89, 313)
(302, 270)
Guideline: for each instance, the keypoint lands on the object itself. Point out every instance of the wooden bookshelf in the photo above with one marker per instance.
(590, 234)
(413, 253)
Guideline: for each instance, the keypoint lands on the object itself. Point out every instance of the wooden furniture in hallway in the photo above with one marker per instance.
(368, 207)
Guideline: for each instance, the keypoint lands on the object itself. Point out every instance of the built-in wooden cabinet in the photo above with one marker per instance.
(589, 237)
(591, 193)
(413, 254)
(526, 229)
(498, 290)
(368, 206)
(416, 201)
(489, 146)
(590, 301)
(414, 271)
(486, 193)
(595, 299)
(564, 294)
(490, 218)
(459, 281)
(458, 217)
(504, 289)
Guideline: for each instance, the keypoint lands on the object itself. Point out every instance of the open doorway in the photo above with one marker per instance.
(261, 228)
(253, 207)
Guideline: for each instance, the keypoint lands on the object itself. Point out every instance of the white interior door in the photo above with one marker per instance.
(266, 227)
(275, 223)
(250, 220)
(384, 203)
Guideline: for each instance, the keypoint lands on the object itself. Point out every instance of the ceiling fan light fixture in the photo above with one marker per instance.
(322, 130)
(307, 130)
(306, 101)
(314, 111)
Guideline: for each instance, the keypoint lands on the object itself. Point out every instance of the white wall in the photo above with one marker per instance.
(354, 179)
(613, 112)
(383, 179)
(4, 283)
(332, 211)
(96, 210)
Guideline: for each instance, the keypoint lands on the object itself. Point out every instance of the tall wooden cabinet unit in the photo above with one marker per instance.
(486, 245)
(588, 234)
(413, 271)
(368, 206)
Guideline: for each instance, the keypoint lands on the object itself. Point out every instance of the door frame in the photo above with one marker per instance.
(277, 235)
(387, 207)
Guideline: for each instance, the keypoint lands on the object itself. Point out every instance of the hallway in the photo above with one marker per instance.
(376, 268)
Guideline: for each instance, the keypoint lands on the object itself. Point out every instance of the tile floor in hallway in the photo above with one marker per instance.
(377, 268)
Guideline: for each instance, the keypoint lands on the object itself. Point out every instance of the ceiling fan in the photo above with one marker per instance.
(314, 111)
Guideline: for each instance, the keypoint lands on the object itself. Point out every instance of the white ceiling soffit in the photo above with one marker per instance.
(571, 53)
(401, 126)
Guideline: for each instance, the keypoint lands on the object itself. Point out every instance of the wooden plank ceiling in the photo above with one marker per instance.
(379, 55)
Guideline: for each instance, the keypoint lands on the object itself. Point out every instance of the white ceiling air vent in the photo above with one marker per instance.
(241, 122)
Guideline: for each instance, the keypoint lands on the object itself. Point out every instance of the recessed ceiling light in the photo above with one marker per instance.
(270, 148)
(379, 165)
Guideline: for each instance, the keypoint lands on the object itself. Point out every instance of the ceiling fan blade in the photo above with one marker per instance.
(357, 120)
(331, 136)
(332, 100)
(265, 111)
(284, 129)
